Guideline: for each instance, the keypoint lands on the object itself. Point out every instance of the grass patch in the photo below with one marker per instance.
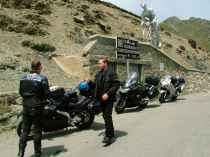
(43, 47)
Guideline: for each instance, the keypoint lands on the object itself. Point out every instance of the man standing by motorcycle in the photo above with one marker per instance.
(34, 90)
(106, 86)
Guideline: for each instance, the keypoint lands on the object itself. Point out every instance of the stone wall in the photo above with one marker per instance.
(10, 107)
(170, 66)
(197, 82)
(10, 98)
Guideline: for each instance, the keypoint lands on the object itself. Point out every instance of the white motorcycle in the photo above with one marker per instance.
(171, 87)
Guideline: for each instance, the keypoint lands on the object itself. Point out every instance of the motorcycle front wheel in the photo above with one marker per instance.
(87, 118)
(162, 98)
(143, 104)
(120, 106)
(174, 98)
(19, 128)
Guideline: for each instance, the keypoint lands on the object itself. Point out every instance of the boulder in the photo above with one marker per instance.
(192, 43)
(79, 19)
(99, 14)
(104, 27)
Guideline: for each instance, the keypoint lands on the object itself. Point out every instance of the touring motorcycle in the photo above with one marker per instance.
(135, 94)
(64, 109)
(171, 87)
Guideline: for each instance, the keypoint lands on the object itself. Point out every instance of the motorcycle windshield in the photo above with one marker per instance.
(166, 80)
(132, 79)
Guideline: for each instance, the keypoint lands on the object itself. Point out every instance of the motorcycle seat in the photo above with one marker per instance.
(80, 102)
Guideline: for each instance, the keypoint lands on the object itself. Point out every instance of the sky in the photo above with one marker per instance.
(167, 8)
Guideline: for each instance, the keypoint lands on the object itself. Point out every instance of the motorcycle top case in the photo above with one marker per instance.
(57, 93)
(153, 80)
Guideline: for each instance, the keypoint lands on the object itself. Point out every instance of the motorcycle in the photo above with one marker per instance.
(64, 109)
(171, 88)
(133, 94)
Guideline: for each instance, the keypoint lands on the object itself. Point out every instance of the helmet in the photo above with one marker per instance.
(84, 86)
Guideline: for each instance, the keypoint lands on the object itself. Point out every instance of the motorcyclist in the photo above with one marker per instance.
(34, 90)
(106, 86)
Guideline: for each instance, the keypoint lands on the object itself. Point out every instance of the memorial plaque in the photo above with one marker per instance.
(127, 49)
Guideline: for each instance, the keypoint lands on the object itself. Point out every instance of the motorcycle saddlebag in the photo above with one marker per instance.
(154, 93)
(153, 80)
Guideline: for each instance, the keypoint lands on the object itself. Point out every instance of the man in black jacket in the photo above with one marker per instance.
(107, 84)
(34, 90)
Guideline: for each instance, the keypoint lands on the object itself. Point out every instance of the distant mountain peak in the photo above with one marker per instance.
(193, 28)
(173, 19)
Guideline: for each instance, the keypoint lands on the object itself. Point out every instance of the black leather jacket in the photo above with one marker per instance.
(106, 82)
(34, 89)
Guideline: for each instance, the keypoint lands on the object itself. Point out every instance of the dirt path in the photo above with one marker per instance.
(73, 66)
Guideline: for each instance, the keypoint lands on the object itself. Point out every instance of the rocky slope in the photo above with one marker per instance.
(193, 28)
(40, 28)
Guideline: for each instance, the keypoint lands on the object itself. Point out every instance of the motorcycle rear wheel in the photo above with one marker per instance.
(120, 106)
(87, 118)
(162, 99)
(174, 98)
(144, 104)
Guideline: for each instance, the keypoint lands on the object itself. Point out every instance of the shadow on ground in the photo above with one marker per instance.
(61, 133)
(177, 100)
(181, 99)
(50, 136)
(97, 126)
(118, 133)
(52, 151)
(137, 109)
(152, 106)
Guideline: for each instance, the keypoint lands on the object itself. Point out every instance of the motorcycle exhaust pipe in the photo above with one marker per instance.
(66, 115)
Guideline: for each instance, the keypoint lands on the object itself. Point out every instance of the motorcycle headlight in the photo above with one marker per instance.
(124, 90)
(164, 84)
(182, 87)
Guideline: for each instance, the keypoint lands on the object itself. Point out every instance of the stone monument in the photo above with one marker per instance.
(150, 25)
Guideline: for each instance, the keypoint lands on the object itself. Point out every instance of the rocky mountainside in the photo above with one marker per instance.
(44, 28)
(193, 28)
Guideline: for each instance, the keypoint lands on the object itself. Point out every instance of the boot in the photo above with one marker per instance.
(37, 148)
(38, 154)
(109, 140)
(20, 154)
(21, 149)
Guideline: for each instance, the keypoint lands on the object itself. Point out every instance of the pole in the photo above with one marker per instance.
(128, 67)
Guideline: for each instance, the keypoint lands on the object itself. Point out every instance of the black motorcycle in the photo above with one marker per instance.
(134, 94)
(65, 109)
(171, 88)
